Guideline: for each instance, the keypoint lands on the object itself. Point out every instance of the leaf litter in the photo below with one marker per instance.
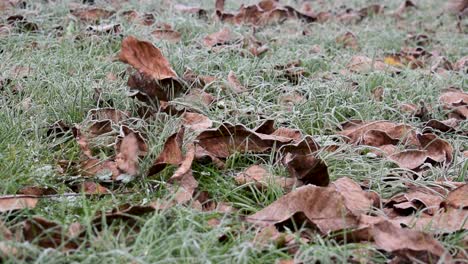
(112, 146)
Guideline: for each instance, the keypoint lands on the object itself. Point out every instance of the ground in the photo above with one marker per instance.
(66, 65)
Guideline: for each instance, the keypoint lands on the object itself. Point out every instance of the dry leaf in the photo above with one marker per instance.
(17, 202)
(167, 34)
(220, 38)
(363, 64)
(92, 14)
(261, 178)
(327, 208)
(92, 188)
(235, 84)
(348, 40)
(407, 244)
(196, 122)
(171, 153)
(127, 156)
(155, 79)
(47, 234)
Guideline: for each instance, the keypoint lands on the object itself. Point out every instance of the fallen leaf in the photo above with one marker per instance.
(36, 191)
(22, 24)
(155, 80)
(363, 64)
(196, 122)
(92, 14)
(220, 38)
(184, 177)
(348, 40)
(405, 243)
(47, 234)
(92, 188)
(13, 202)
(127, 156)
(201, 13)
(234, 83)
(326, 208)
(171, 153)
(377, 93)
(167, 34)
(308, 169)
(261, 178)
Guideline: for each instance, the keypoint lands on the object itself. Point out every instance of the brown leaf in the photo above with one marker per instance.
(437, 149)
(449, 125)
(261, 178)
(410, 159)
(167, 34)
(405, 243)
(171, 153)
(96, 167)
(13, 202)
(21, 24)
(92, 14)
(184, 177)
(328, 208)
(47, 234)
(127, 156)
(457, 198)
(462, 63)
(220, 38)
(377, 93)
(155, 78)
(201, 13)
(228, 139)
(363, 64)
(416, 199)
(235, 84)
(308, 169)
(88, 187)
(36, 191)
(196, 122)
(348, 40)
(391, 130)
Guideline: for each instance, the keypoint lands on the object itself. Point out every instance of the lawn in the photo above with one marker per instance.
(65, 101)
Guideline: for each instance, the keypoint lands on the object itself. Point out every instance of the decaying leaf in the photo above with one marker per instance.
(155, 79)
(196, 122)
(326, 208)
(171, 153)
(261, 178)
(13, 202)
(407, 244)
(47, 234)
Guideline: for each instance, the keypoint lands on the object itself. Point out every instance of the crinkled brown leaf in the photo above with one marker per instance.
(405, 243)
(171, 153)
(327, 208)
(184, 177)
(155, 78)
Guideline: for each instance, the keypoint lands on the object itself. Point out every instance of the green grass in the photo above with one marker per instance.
(66, 69)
